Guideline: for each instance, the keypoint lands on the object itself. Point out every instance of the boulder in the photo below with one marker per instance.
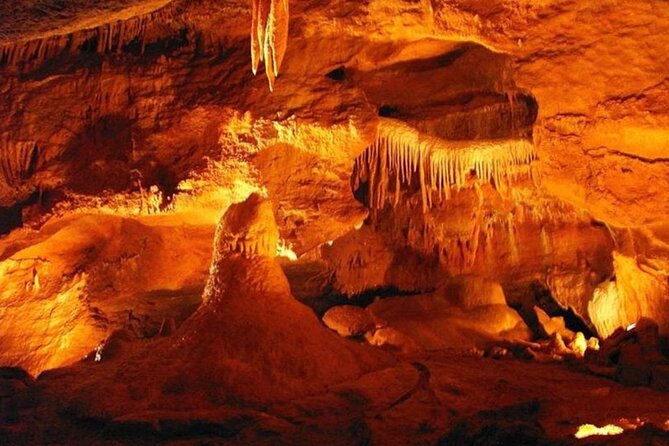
(579, 345)
(499, 320)
(551, 325)
(469, 292)
(349, 320)
(593, 344)
(557, 345)
(393, 338)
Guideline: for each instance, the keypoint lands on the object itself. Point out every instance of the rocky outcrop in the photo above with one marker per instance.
(635, 293)
(455, 317)
(66, 287)
(249, 343)
(635, 356)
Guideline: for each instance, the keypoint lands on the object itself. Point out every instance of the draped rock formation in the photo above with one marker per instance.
(400, 151)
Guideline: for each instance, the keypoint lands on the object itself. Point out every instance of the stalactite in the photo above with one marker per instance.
(545, 242)
(513, 243)
(400, 151)
(17, 161)
(489, 248)
(109, 37)
(269, 36)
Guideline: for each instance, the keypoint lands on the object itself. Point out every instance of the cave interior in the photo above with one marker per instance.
(384, 222)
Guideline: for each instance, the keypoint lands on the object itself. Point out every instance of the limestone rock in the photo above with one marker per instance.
(636, 355)
(249, 341)
(635, 294)
(249, 228)
(551, 325)
(393, 338)
(579, 345)
(80, 276)
(593, 344)
(434, 323)
(348, 320)
(469, 292)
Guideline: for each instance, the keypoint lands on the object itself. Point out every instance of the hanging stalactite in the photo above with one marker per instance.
(269, 36)
(17, 161)
(400, 151)
(108, 38)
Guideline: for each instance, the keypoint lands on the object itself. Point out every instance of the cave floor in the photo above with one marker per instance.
(445, 397)
(441, 397)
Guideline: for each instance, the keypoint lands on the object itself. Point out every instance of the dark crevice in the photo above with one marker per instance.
(338, 74)
(331, 298)
(432, 63)
(12, 217)
(543, 298)
(388, 111)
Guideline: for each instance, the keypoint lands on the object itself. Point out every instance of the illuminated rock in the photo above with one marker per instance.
(433, 323)
(248, 228)
(393, 339)
(400, 151)
(348, 320)
(469, 292)
(589, 430)
(405, 143)
(550, 325)
(269, 36)
(579, 345)
(634, 294)
(81, 277)
(250, 341)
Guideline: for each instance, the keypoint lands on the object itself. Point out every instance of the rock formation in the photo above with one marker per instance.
(269, 36)
(431, 195)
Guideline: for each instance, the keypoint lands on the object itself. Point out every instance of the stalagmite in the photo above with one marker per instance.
(248, 229)
(400, 151)
(269, 36)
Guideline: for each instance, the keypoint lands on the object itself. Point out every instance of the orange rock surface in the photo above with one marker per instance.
(441, 179)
